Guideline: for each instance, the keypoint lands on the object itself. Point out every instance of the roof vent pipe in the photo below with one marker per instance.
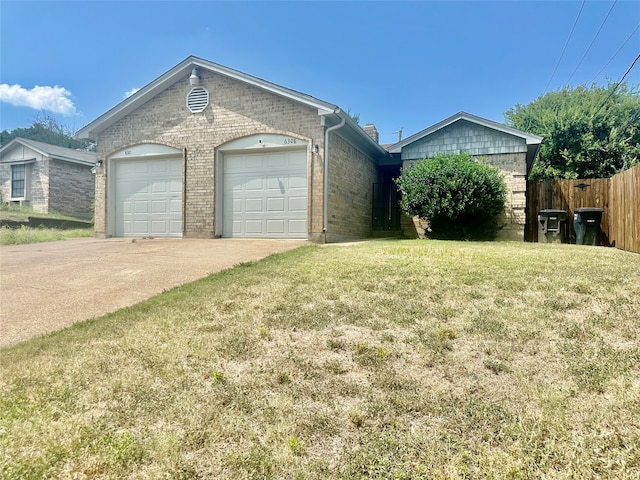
(325, 200)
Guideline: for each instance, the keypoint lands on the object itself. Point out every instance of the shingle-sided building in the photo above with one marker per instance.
(207, 151)
(512, 151)
(47, 178)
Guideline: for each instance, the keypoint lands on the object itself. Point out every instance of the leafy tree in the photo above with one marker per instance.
(45, 129)
(459, 196)
(354, 116)
(588, 132)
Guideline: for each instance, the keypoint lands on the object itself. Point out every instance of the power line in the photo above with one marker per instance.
(617, 52)
(615, 87)
(594, 39)
(565, 45)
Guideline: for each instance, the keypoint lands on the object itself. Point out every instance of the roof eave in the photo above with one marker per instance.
(530, 138)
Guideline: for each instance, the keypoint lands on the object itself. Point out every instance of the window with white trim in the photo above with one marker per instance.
(18, 181)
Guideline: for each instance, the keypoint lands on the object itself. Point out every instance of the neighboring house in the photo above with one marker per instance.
(47, 178)
(207, 151)
(511, 150)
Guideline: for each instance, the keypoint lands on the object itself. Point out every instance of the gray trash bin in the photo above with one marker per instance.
(586, 223)
(552, 226)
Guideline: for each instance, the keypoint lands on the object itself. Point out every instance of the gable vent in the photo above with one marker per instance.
(197, 100)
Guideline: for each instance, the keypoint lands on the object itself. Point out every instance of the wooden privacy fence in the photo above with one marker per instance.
(618, 196)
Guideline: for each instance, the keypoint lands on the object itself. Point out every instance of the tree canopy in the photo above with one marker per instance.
(588, 132)
(45, 129)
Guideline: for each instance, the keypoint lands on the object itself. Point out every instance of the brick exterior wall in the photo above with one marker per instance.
(71, 189)
(351, 178)
(236, 110)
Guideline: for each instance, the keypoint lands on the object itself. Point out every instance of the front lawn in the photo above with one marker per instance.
(385, 359)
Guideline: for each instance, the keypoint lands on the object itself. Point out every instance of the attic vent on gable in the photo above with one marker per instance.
(197, 100)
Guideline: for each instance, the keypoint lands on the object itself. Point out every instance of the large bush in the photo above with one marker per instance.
(459, 196)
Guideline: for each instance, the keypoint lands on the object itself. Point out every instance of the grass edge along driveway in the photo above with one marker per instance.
(389, 359)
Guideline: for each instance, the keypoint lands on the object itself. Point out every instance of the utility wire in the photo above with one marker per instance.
(617, 52)
(615, 88)
(565, 46)
(594, 39)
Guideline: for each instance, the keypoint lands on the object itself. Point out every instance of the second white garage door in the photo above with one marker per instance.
(265, 195)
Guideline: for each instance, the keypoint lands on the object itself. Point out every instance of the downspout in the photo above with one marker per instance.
(325, 199)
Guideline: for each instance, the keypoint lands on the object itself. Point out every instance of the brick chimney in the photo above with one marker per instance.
(371, 130)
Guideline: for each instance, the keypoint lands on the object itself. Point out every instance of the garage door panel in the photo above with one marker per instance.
(275, 227)
(265, 194)
(140, 207)
(175, 207)
(254, 227)
(297, 204)
(275, 204)
(298, 182)
(253, 205)
(298, 227)
(276, 183)
(148, 197)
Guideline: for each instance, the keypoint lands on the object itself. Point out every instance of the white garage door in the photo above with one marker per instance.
(148, 197)
(265, 195)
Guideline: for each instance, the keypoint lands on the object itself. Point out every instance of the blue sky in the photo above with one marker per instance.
(398, 64)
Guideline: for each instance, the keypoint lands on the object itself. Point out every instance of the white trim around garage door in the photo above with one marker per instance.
(145, 188)
(262, 188)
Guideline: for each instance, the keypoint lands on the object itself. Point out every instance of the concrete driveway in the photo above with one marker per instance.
(48, 286)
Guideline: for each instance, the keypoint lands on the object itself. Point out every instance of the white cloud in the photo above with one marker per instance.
(54, 99)
(130, 92)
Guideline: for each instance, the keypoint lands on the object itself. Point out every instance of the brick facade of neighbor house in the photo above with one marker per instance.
(56, 181)
(236, 110)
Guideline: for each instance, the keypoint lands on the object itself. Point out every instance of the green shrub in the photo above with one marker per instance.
(459, 196)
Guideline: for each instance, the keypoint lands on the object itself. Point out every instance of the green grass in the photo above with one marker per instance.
(26, 234)
(22, 235)
(386, 359)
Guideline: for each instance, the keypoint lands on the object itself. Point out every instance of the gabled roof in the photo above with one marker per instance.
(53, 151)
(182, 69)
(529, 138)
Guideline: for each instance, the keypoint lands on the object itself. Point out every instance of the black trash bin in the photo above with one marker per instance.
(552, 226)
(586, 223)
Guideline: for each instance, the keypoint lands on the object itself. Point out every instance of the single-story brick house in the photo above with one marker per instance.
(207, 151)
(47, 178)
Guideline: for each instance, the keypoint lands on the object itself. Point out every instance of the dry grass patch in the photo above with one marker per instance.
(394, 359)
